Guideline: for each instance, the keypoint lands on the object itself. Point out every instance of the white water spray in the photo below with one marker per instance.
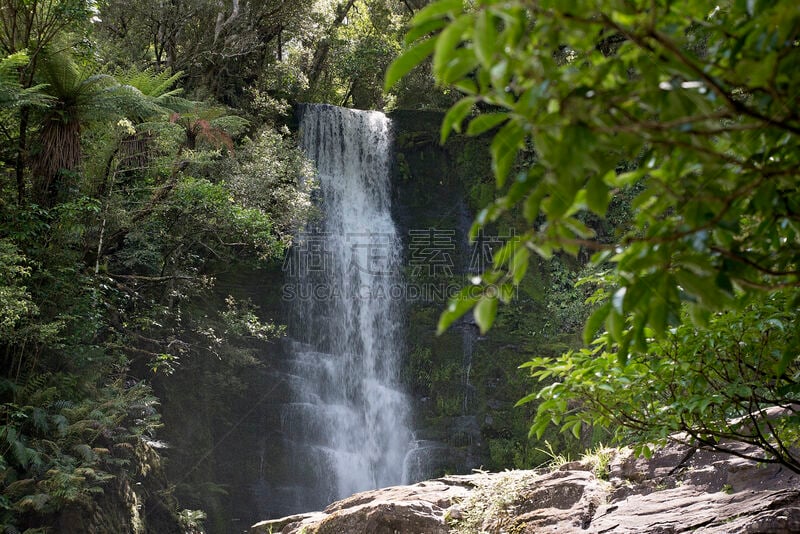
(347, 424)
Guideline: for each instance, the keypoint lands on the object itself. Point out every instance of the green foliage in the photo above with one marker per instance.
(551, 75)
(35, 24)
(222, 48)
(599, 459)
(114, 221)
(241, 321)
(80, 96)
(192, 520)
(12, 93)
(274, 176)
(15, 301)
(351, 60)
(690, 107)
(722, 383)
(59, 451)
(153, 83)
(490, 502)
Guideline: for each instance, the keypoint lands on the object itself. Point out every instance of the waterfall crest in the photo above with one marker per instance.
(346, 426)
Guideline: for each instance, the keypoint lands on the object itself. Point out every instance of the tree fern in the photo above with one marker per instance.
(156, 85)
(81, 96)
(12, 94)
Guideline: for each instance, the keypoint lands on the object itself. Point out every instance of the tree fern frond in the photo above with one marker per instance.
(176, 103)
(36, 502)
(35, 383)
(230, 124)
(149, 81)
(12, 62)
(12, 94)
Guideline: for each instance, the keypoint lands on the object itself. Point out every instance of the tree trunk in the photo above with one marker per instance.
(53, 170)
(321, 54)
(19, 166)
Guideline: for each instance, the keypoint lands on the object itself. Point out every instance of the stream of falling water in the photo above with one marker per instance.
(347, 423)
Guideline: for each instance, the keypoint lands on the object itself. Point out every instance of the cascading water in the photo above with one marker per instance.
(346, 427)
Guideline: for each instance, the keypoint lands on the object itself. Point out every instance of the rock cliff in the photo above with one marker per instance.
(677, 490)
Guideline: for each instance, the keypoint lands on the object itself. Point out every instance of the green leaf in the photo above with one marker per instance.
(421, 30)
(545, 250)
(461, 63)
(627, 178)
(455, 115)
(530, 397)
(485, 312)
(485, 122)
(485, 38)
(506, 293)
(594, 322)
(466, 86)
(786, 358)
(702, 288)
(504, 148)
(520, 263)
(506, 252)
(618, 299)
(580, 229)
(437, 10)
(539, 426)
(615, 323)
(447, 43)
(574, 427)
(458, 305)
(533, 203)
(597, 195)
(408, 60)
(657, 318)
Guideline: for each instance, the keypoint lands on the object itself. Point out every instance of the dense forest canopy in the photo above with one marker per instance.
(145, 151)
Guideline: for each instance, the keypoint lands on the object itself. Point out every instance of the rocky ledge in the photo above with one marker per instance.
(677, 490)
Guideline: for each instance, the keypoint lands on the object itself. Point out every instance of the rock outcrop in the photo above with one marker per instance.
(676, 490)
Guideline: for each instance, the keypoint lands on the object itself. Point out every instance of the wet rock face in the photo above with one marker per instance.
(676, 490)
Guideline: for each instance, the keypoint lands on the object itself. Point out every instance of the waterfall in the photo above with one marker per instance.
(346, 427)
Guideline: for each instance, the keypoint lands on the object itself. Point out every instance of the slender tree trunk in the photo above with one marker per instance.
(158, 45)
(222, 22)
(280, 43)
(19, 166)
(321, 54)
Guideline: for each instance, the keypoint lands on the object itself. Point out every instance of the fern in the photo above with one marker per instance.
(56, 452)
(38, 502)
(85, 452)
(15, 444)
(12, 94)
(151, 82)
(35, 383)
(20, 488)
(39, 418)
(60, 423)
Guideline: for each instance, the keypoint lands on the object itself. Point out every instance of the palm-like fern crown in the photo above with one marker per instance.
(85, 93)
(158, 86)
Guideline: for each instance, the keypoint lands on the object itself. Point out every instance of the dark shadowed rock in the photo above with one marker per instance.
(674, 491)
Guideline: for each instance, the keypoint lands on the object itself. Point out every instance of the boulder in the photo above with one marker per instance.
(678, 489)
